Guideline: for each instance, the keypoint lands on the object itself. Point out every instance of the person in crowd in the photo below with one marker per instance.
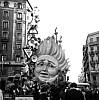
(88, 93)
(2, 84)
(35, 90)
(95, 94)
(73, 93)
(63, 89)
(1, 95)
(84, 92)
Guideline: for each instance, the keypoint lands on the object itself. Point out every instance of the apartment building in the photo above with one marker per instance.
(91, 59)
(12, 35)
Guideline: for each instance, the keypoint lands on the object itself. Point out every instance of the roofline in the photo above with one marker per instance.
(94, 33)
(91, 34)
(15, 0)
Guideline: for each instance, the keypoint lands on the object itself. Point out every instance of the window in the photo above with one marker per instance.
(18, 58)
(5, 35)
(92, 59)
(5, 25)
(94, 78)
(19, 5)
(3, 57)
(98, 59)
(19, 36)
(91, 48)
(19, 26)
(24, 5)
(6, 13)
(4, 46)
(15, 5)
(91, 40)
(18, 46)
(6, 4)
(19, 16)
(97, 39)
(97, 48)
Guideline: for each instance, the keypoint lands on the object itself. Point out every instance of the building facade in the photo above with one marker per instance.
(12, 35)
(91, 59)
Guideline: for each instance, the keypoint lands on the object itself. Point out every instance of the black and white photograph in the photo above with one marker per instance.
(49, 49)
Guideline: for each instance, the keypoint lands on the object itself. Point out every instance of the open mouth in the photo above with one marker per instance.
(44, 74)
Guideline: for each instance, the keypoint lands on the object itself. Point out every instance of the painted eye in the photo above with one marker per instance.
(50, 65)
(41, 64)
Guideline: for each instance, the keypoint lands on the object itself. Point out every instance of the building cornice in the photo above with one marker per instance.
(94, 33)
(16, 0)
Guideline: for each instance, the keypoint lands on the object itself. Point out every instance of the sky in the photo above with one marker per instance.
(74, 20)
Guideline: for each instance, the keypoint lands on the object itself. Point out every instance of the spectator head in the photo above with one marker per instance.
(73, 85)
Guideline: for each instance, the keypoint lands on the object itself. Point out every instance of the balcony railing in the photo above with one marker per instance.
(92, 63)
(4, 39)
(97, 52)
(11, 63)
(94, 43)
(97, 61)
(92, 53)
(94, 71)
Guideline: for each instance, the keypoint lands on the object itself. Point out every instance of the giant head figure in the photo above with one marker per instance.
(51, 59)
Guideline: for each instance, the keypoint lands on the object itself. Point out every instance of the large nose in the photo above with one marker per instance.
(44, 67)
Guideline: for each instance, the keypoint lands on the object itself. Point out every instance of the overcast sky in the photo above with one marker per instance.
(74, 20)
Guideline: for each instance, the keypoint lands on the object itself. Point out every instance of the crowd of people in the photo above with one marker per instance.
(83, 93)
(45, 79)
(46, 91)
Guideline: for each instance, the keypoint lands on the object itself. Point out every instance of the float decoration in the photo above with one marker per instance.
(45, 59)
(51, 59)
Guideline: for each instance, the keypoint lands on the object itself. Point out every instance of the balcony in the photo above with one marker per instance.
(94, 43)
(94, 71)
(97, 61)
(92, 53)
(4, 39)
(11, 63)
(86, 65)
(97, 52)
(19, 41)
(85, 58)
(19, 19)
(92, 63)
